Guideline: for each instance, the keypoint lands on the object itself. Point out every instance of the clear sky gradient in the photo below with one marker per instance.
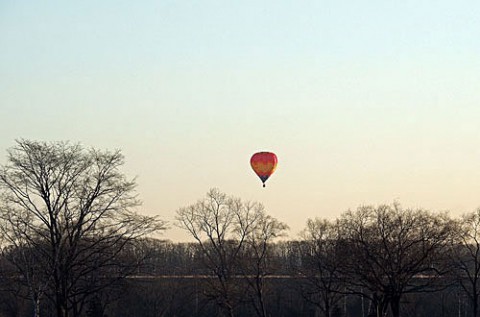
(364, 102)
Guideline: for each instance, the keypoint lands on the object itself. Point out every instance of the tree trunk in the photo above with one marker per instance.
(328, 313)
(36, 312)
(475, 305)
(61, 306)
(379, 310)
(378, 306)
(263, 308)
(395, 306)
(61, 312)
(228, 310)
(382, 306)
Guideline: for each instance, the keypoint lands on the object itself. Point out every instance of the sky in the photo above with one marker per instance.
(364, 102)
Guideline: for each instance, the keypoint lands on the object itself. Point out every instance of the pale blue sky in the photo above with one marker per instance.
(364, 102)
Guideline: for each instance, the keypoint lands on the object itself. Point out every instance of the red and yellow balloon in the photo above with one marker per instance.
(264, 164)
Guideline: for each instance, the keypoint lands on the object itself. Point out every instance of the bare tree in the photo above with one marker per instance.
(465, 252)
(77, 203)
(222, 225)
(393, 251)
(322, 260)
(257, 263)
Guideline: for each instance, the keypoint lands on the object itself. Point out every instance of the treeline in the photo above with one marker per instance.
(373, 261)
(173, 280)
(73, 246)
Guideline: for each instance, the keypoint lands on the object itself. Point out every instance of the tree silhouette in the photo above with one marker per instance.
(390, 251)
(78, 207)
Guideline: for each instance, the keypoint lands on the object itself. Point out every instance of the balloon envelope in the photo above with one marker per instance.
(264, 164)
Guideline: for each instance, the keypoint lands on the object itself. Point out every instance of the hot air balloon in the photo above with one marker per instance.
(264, 164)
